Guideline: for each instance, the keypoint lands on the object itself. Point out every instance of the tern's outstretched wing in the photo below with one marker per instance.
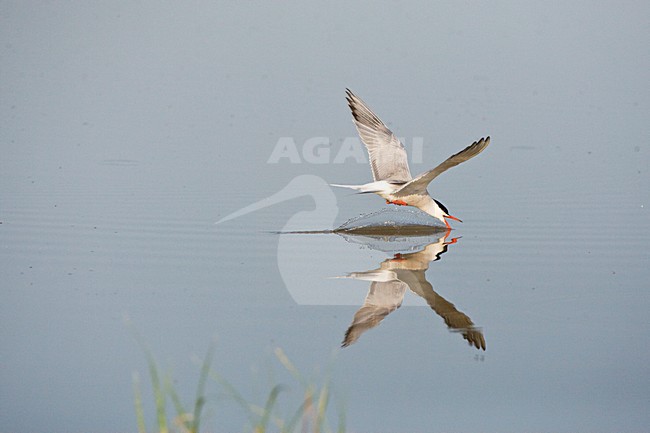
(387, 155)
(420, 183)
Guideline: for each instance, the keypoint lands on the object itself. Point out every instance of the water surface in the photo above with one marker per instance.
(127, 132)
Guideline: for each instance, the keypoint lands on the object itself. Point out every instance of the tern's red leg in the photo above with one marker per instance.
(397, 202)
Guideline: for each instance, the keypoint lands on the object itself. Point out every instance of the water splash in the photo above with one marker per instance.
(398, 221)
(392, 230)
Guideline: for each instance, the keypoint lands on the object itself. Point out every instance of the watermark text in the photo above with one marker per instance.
(319, 150)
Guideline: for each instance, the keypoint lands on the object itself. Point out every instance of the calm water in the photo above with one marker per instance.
(126, 133)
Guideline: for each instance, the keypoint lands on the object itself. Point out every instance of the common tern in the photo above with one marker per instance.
(390, 171)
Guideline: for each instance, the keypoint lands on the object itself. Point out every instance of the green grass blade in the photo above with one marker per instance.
(200, 390)
(182, 416)
(300, 413)
(284, 360)
(341, 428)
(323, 401)
(232, 392)
(139, 410)
(158, 393)
(268, 408)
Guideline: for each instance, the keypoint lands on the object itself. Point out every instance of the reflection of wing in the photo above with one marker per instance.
(454, 319)
(420, 183)
(389, 284)
(383, 298)
(387, 155)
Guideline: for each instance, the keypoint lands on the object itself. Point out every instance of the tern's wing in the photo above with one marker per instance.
(383, 298)
(387, 155)
(420, 183)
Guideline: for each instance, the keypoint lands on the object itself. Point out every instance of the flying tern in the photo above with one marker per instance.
(390, 171)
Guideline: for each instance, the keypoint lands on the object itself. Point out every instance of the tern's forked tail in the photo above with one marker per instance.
(360, 189)
(375, 187)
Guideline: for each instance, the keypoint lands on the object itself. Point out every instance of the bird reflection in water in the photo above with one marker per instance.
(389, 284)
